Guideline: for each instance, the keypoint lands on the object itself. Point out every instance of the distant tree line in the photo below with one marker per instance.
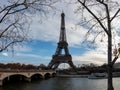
(92, 68)
(19, 66)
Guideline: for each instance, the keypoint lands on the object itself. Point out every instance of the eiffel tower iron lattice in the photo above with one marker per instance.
(59, 57)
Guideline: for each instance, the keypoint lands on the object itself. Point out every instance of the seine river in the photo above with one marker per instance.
(63, 84)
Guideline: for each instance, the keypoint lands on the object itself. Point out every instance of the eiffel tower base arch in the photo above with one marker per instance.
(58, 59)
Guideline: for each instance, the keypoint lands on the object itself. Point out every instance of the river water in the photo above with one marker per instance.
(63, 84)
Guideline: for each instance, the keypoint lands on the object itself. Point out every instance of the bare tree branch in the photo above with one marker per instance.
(13, 42)
(14, 21)
(115, 14)
(94, 17)
(97, 35)
(1, 34)
(115, 59)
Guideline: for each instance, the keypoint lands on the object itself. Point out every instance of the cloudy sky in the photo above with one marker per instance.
(46, 35)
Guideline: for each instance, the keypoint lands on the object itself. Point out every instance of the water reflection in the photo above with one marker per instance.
(63, 84)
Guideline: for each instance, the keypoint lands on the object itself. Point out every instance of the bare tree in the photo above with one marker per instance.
(15, 20)
(100, 17)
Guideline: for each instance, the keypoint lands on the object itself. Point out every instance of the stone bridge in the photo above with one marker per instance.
(26, 75)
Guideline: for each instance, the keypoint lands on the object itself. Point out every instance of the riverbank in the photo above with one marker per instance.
(72, 76)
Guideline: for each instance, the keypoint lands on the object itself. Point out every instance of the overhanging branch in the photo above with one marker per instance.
(1, 34)
(115, 14)
(94, 16)
(13, 42)
(114, 60)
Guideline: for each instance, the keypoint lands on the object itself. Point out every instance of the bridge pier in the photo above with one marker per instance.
(28, 79)
(43, 77)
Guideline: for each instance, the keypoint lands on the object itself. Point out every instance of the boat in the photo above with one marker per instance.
(116, 74)
(97, 76)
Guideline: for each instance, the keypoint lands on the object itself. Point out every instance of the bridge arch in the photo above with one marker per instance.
(12, 74)
(47, 75)
(36, 76)
(53, 74)
(14, 77)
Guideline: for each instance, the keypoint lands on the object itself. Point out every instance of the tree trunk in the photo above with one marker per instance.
(110, 83)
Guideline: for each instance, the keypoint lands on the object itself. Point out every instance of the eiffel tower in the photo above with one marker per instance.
(59, 57)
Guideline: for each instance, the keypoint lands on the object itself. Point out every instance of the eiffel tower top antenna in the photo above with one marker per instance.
(62, 31)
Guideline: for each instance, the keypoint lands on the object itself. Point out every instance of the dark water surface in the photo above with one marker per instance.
(63, 84)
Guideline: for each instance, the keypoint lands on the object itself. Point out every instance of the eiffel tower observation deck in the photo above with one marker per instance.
(62, 46)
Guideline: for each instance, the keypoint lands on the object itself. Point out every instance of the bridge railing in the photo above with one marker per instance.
(5, 70)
